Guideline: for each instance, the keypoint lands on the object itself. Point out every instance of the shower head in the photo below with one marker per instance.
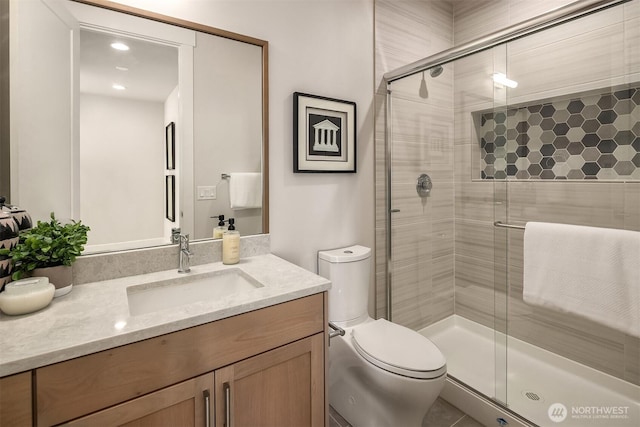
(436, 71)
(433, 72)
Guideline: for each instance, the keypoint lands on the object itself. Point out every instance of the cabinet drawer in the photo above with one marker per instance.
(80, 386)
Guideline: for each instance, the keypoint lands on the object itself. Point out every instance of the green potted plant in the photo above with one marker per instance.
(48, 250)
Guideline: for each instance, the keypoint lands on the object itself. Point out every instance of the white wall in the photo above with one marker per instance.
(323, 47)
(121, 172)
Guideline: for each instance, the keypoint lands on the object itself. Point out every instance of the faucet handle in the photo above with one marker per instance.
(175, 235)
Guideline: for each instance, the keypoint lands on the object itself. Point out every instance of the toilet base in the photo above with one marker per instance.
(366, 395)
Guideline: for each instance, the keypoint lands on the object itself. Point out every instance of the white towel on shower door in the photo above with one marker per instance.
(587, 271)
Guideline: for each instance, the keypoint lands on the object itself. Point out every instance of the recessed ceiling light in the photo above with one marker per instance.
(119, 46)
(117, 86)
(119, 68)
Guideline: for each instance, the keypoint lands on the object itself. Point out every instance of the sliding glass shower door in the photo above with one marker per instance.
(569, 159)
(421, 187)
(480, 121)
(443, 263)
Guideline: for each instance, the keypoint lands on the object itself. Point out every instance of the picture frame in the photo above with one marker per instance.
(170, 197)
(170, 145)
(324, 134)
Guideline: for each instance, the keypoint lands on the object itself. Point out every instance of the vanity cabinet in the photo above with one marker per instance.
(264, 367)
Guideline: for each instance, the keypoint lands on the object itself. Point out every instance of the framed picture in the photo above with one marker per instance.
(170, 197)
(324, 134)
(170, 145)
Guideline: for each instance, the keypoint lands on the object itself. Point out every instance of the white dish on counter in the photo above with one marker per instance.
(26, 296)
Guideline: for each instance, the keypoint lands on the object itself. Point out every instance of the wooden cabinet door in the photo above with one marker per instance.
(188, 403)
(15, 400)
(282, 387)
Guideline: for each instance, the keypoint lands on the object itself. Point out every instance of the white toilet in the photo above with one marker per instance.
(380, 373)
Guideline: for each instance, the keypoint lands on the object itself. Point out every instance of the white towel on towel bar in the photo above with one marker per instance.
(245, 190)
(587, 271)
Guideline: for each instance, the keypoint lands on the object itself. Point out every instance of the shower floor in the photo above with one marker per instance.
(536, 379)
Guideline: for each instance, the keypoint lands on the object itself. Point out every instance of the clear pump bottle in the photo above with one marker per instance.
(219, 230)
(231, 244)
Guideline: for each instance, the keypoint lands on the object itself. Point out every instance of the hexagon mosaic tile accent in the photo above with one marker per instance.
(583, 137)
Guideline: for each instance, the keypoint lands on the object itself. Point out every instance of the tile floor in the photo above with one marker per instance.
(442, 414)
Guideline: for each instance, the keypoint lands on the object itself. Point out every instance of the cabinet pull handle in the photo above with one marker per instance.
(207, 408)
(227, 404)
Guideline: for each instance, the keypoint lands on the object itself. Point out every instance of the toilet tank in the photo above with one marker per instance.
(349, 272)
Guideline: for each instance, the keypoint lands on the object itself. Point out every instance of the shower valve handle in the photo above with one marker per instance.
(424, 185)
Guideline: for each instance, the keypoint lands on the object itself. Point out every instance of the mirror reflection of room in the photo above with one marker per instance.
(128, 92)
(149, 127)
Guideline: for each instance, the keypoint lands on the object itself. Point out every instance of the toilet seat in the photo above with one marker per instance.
(397, 349)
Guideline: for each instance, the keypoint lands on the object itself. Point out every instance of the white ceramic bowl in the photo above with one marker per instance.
(26, 296)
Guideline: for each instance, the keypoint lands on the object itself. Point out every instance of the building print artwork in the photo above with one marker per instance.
(324, 134)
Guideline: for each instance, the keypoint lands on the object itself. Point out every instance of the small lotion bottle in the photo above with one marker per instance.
(219, 230)
(231, 244)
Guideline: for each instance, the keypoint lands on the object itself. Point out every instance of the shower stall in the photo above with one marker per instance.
(538, 122)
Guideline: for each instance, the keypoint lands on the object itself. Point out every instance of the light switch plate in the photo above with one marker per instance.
(206, 192)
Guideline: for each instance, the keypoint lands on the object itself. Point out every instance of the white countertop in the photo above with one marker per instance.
(95, 316)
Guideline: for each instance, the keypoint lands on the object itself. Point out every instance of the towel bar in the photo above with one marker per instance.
(503, 225)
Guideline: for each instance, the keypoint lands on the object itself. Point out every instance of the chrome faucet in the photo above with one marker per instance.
(185, 254)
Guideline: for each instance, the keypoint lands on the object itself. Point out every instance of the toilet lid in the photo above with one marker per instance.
(400, 350)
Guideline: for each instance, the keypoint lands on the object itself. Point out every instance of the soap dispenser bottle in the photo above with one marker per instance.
(219, 230)
(231, 244)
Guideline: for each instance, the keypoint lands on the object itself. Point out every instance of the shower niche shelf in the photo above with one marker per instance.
(586, 136)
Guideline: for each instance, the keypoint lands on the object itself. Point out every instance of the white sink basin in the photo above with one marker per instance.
(188, 289)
